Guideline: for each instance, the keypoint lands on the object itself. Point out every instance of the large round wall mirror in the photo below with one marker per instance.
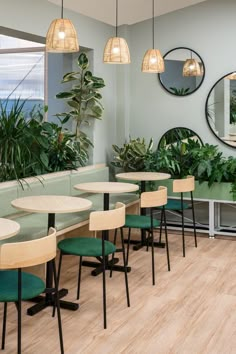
(178, 135)
(184, 71)
(221, 109)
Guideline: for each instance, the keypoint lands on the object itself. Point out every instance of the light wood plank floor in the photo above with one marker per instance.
(191, 310)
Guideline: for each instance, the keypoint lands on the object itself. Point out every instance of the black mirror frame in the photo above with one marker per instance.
(206, 111)
(158, 146)
(203, 76)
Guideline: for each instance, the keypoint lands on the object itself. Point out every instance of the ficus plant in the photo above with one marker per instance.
(83, 99)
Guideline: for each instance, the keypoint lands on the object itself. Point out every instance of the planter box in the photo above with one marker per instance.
(218, 191)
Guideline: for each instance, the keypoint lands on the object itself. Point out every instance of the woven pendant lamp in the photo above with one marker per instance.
(191, 67)
(61, 36)
(116, 50)
(153, 61)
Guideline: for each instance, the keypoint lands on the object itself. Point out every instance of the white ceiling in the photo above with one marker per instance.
(130, 11)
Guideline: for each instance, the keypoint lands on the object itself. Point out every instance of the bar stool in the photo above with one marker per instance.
(17, 285)
(94, 247)
(150, 200)
(182, 186)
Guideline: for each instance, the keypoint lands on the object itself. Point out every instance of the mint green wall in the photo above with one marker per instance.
(35, 16)
(209, 28)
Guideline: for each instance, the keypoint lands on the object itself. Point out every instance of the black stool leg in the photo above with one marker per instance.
(19, 311)
(183, 238)
(194, 223)
(127, 257)
(4, 324)
(161, 226)
(104, 283)
(125, 268)
(59, 268)
(153, 262)
(79, 277)
(166, 238)
(113, 254)
(58, 307)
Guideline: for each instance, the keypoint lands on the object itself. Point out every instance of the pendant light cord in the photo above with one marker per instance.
(116, 17)
(61, 8)
(152, 24)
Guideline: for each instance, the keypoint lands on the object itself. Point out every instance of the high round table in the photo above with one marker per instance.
(51, 205)
(106, 188)
(8, 228)
(143, 177)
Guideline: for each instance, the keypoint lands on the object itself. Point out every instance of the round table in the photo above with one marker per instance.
(8, 228)
(106, 188)
(144, 177)
(51, 204)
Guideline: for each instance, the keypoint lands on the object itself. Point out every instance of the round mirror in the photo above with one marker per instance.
(176, 135)
(221, 109)
(184, 71)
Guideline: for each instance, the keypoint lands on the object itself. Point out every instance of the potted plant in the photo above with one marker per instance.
(84, 101)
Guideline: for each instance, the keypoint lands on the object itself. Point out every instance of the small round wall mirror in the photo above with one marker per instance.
(184, 71)
(176, 135)
(221, 109)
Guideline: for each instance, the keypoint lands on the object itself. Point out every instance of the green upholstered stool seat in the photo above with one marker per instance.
(31, 286)
(173, 204)
(86, 246)
(140, 221)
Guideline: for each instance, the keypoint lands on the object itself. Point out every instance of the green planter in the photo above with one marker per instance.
(218, 191)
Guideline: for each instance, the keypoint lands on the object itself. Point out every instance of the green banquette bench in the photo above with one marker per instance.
(34, 225)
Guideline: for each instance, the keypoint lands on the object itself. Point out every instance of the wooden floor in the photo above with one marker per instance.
(191, 310)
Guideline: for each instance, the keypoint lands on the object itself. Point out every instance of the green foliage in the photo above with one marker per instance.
(233, 108)
(83, 99)
(180, 92)
(131, 156)
(180, 159)
(31, 146)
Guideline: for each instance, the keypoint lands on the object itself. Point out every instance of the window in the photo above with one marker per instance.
(22, 71)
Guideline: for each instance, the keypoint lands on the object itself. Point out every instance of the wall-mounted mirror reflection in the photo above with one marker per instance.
(221, 109)
(178, 135)
(184, 71)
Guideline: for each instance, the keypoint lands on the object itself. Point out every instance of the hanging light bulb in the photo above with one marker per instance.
(191, 67)
(116, 50)
(61, 36)
(153, 61)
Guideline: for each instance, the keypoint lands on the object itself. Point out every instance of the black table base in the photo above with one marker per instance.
(43, 302)
(110, 265)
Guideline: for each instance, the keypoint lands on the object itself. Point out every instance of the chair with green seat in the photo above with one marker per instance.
(149, 200)
(96, 247)
(181, 186)
(17, 286)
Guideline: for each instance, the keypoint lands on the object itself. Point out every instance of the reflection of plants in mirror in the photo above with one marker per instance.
(175, 135)
(233, 108)
(83, 99)
(180, 92)
(131, 156)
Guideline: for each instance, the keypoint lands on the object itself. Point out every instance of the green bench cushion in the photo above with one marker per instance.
(6, 196)
(31, 286)
(85, 246)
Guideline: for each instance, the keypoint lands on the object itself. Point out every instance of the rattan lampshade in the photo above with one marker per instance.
(62, 37)
(153, 62)
(116, 51)
(231, 76)
(191, 68)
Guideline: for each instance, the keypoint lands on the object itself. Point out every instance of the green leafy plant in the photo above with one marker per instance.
(131, 156)
(84, 100)
(29, 146)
